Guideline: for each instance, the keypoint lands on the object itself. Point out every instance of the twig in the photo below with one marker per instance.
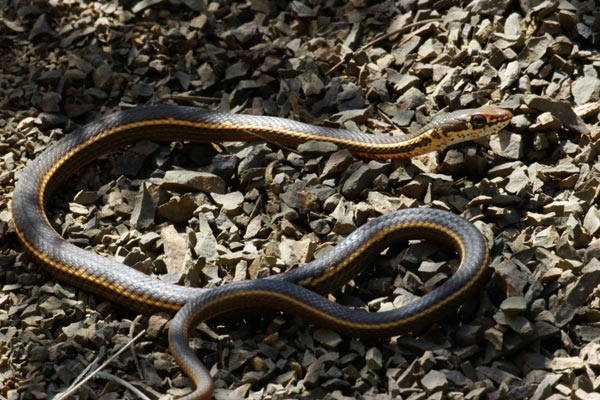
(122, 382)
(73, 389)
(89, 367)
(138, 364)
(397, 31)
(388, 120)
(191, 98)
(381, 39)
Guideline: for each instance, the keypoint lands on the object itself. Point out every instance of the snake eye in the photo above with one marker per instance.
(478, 121)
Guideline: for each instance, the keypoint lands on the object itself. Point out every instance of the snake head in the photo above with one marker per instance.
(469, 124)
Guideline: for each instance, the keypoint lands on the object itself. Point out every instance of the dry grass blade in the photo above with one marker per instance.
(73, 389)
(122, 382)
(380, 39)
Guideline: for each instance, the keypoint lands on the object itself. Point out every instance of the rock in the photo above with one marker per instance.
(546, 122)
(178, 208)
(205, 243)
(149, 240)
(327, 338)
(175, 250)
(577, 293)
(412, 98)
(343, 217)
(142, 215)
(534, 50)
(224, 165)
(237, 70)
(302, 201)
(490, 8)
(40, 30)
(514, 305)
(561, 110)
(510, 75)
(104, 77)
(566, 363)
(434, 381)
(313, 374)
(495, 337)
(315, 148)
(231, 203)
(469, 334)
(507, 145)
(374, 359)
(521, 122)
(588, 110)
(51, 102)
(586, 90)
(591, 222)
(156, 325)
(512, 26)
(362, 177)
(181, 180)
(454, 162)
(518, 181)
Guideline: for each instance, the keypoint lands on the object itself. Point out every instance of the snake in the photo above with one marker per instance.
(299, 291)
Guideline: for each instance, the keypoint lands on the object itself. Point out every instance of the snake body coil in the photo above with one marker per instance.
(294, 291)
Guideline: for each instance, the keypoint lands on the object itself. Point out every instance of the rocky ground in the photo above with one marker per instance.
(383, 67)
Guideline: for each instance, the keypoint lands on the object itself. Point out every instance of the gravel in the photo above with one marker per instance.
(208, 215)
